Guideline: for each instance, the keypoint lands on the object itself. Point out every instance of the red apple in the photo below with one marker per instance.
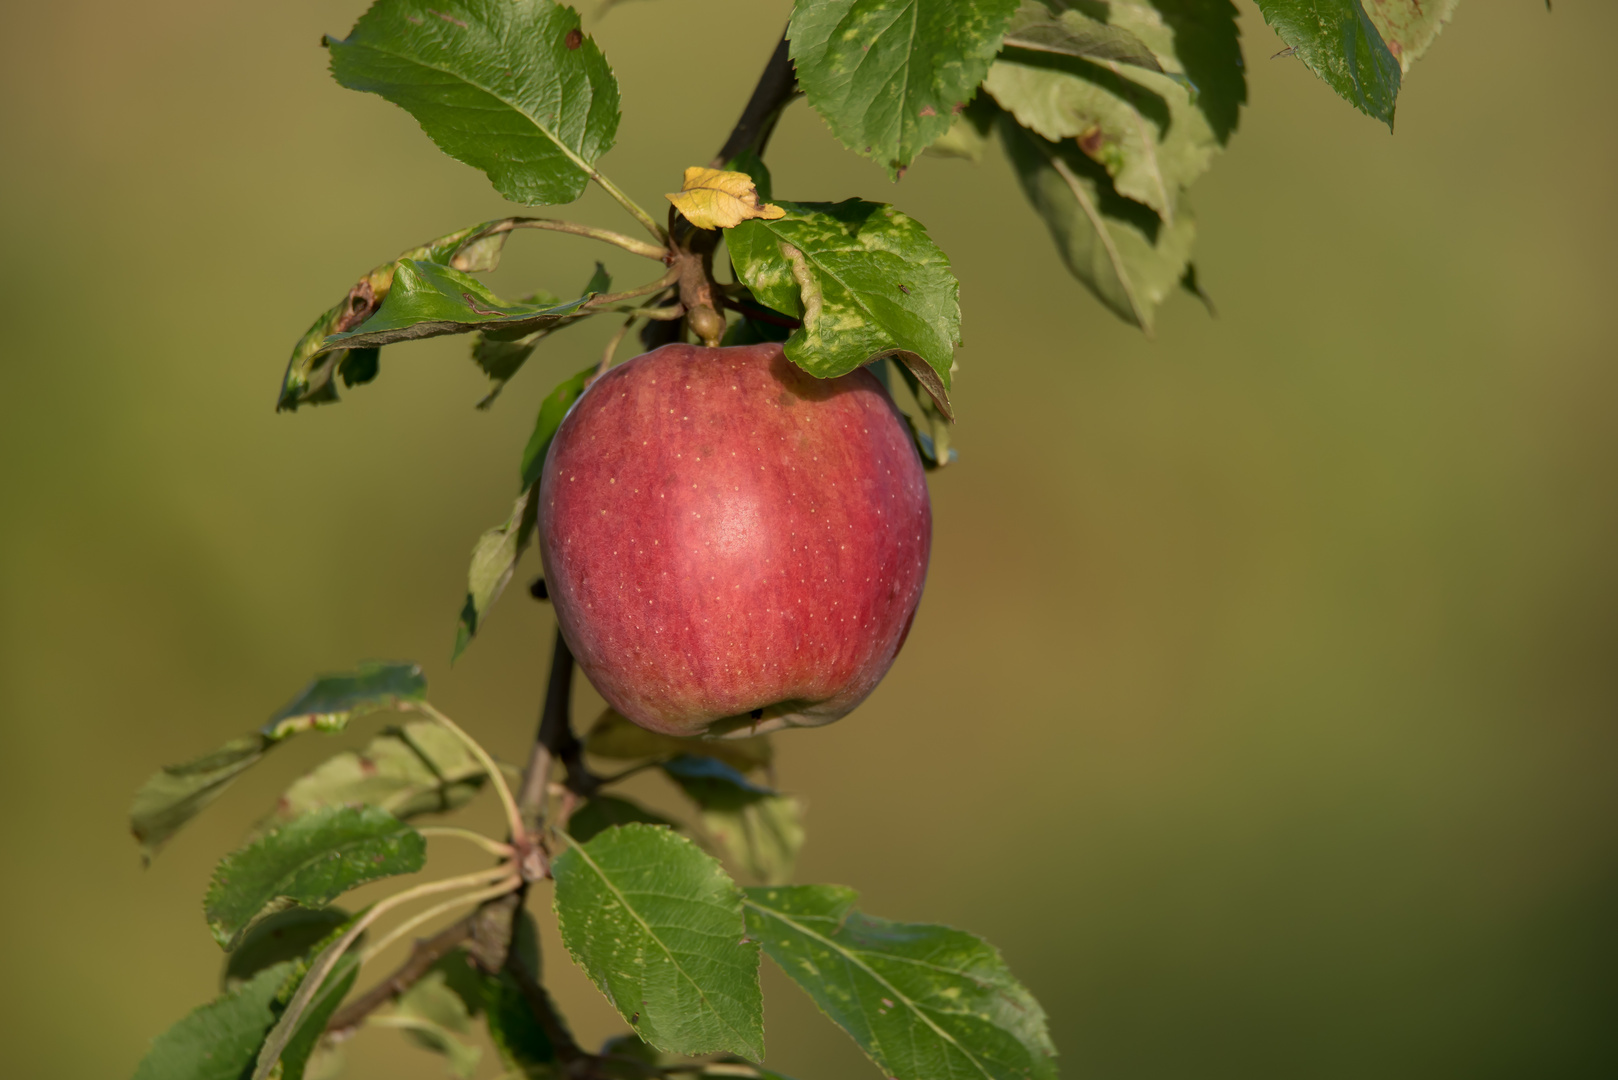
(732, 545)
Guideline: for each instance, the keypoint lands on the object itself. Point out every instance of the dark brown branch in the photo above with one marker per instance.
(423, 956)
(776, 87)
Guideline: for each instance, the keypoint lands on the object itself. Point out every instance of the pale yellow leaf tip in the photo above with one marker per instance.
(715, 199)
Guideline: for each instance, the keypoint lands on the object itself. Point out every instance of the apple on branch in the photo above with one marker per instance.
(731, 544)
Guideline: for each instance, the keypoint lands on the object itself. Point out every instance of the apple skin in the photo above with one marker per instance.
(732, 545)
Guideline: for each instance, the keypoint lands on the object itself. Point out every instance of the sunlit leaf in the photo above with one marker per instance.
(716, 199)
(331, 701)
(865, 280)
(312, 371)
(888, 76)
(512, 87)
(924, 1002)
(1071, 32)
(309, 861)
(1337, 41)
(430, 300)
(657, 925)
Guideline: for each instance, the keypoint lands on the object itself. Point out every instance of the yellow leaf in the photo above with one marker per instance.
(714, 199)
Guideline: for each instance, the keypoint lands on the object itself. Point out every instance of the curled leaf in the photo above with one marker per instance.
(715, 199)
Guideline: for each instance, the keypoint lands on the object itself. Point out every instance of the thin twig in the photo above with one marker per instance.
(500, 888)
(284, 1028)
(426, 953)
(628, 243)
(519, 833)
(493, 847)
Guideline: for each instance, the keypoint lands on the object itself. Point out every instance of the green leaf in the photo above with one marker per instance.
(1072, 33)
(924, 1002)
(1337, 41)
(501, 357)
(551, 412)
(419, 768)
(495, 555)
(512, 87)
(657, 925)
(603, 812)
(494, 558)
(968, 135)
(933, 435)
(331, 701)
(758, 829)
(1118, 248)
(437, 1016)
(888, 76)
(431, 300)
(1148, 129)
(286, 935)
(309, 861)
(1409, 27)
(220, 1040)
(311, 373)
(865, 280)
(175, 794)
(312, 1024)
(523, 1045)
(761, 835)
(613, 736)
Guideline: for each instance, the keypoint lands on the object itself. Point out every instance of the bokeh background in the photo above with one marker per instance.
(1261, 707)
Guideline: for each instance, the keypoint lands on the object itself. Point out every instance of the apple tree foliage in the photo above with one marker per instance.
(1107, 110)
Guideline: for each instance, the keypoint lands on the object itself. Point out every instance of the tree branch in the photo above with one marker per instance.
(423, 956)
(776, 87)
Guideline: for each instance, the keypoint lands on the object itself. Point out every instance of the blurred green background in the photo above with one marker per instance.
(1262, 704)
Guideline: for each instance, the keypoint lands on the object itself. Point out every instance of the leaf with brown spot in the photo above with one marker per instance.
(715, 199)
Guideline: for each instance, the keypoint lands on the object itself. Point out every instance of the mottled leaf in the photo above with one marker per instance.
(430, 300)
(419, 768)
(512, 87)
(603, 812)
(614, 736)
(309, 861)
(1409, 27)
(865, 280)
(286, 935)
(924, 1002)
(220, 1040)
(657, 925)
(331, 701)
(888, 76)
(1117, 247)
(1337, 41)
(175, 794)
(312, 370)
